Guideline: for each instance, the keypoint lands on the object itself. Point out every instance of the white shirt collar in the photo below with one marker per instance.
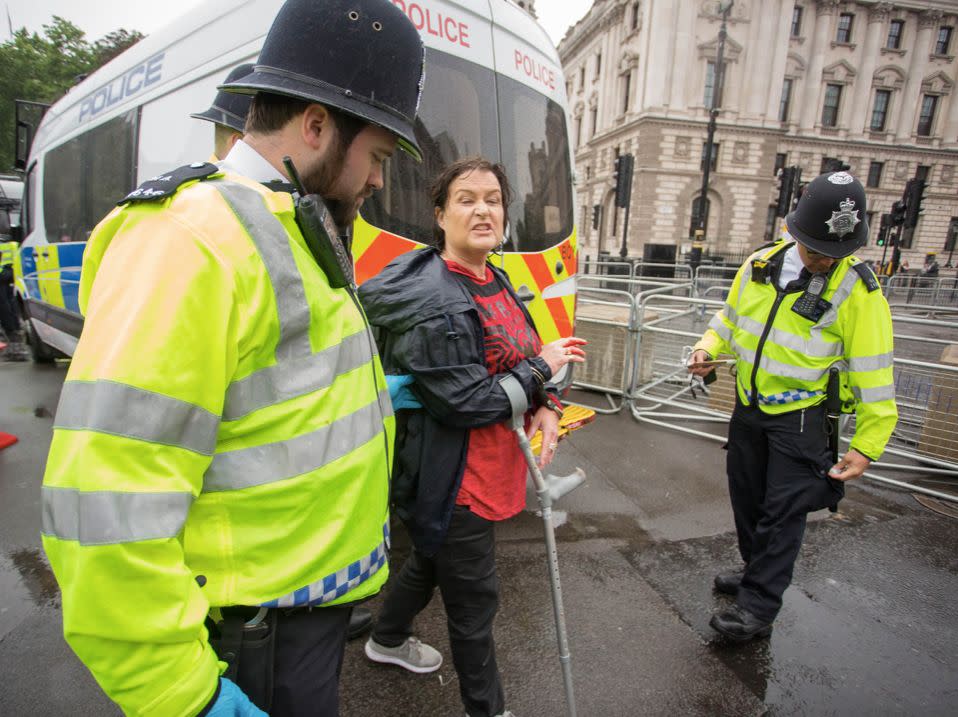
(791, 267)
(246, 161)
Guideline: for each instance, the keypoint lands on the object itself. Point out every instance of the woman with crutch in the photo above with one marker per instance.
(450, 320)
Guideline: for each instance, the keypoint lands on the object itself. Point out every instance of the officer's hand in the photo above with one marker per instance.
(699, 357)
(850, 466)
(547, 421)
(233, 702)
(399, 392)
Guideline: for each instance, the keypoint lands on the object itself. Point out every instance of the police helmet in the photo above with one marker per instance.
(229, 109)
(830, 218)
(363, 57)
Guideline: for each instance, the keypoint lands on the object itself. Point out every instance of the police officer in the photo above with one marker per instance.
(794, 310)
(223, 438)
(9, 321)
(228, 114)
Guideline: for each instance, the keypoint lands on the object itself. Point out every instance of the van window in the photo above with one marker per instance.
(535, 152)
(85, 177)
(28, 210)
(457, 117)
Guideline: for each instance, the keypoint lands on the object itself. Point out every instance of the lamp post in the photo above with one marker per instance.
(719, 84)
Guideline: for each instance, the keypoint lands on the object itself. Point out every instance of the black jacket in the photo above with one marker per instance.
(427, 325)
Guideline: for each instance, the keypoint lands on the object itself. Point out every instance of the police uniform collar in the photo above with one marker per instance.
(247, 162)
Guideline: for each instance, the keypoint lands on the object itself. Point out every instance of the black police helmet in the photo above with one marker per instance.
(229, 108)
(364, 57)
(830, 218)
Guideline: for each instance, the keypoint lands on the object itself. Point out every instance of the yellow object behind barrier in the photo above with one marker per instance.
(573, 418)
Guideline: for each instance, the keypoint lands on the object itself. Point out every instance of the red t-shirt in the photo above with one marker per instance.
(494, 483)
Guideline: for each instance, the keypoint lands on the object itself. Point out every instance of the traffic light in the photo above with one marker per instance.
(914, 193)
(883, 227)
(623, 179)
(791, 178)
(897, 216)
(596, 213)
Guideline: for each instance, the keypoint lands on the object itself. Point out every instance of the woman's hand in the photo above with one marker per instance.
(562, 351)
(547, 421)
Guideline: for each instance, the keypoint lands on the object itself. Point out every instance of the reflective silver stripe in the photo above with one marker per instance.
(123, 410)
(731, 314)
(776, 368)
(843, 291)
(719, 327)
(273, 244)
(260, 465)
(297, 377)
(110, 517)
(874, 395)
(871, 363)
(815, 347)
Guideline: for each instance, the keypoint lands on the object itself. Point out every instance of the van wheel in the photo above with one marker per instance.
(39, 351)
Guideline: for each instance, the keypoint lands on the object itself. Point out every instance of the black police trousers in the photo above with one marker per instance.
(777, 474)
(8, 311)
(464, 568)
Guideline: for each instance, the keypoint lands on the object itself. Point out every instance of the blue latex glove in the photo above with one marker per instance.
(233, 702)
(399, 391)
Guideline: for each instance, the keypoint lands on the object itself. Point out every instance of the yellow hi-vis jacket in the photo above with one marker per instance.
(8, 250)
(793, 354)
(223, 438)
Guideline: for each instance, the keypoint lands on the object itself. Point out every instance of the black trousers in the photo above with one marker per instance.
(464, 569)
(8, 312)
(777, 474)
(307, 658)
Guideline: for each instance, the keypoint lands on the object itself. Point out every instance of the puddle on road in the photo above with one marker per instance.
(35, 575)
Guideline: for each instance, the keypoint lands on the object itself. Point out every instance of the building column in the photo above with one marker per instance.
(655, 89)
(820, 40)
(862, 102)
(911, 96)
(950, 135)
(758, 55)
(779, 53)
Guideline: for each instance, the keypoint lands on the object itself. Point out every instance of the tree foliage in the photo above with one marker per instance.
(42, 67)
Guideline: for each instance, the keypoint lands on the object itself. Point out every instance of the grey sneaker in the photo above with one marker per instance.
(414, 655)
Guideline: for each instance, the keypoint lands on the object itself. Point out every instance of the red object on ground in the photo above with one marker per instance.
(7, 439)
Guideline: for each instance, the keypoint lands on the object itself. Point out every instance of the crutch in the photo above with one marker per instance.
(547, 490)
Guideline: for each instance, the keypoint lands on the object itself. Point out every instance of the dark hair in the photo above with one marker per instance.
(270, 112)
(440, 188)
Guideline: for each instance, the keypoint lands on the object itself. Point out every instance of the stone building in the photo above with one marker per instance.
(871, 84)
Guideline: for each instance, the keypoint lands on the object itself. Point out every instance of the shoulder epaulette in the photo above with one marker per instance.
(867, 275)
(165, 185)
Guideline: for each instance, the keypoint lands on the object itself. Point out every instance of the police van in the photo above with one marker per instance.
(493, 86)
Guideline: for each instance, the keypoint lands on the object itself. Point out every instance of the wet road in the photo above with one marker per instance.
(868, 626)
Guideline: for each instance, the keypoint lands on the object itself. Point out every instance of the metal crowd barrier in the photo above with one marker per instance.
(638, 332)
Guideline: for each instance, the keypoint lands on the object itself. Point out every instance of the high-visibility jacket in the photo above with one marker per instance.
(8, 250)
(783, 358)
(223, 438)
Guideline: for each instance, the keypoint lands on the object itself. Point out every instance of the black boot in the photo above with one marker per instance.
(739, 625)
(359, 622)
(729, 581)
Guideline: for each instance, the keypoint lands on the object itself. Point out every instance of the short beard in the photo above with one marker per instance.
(321, 178)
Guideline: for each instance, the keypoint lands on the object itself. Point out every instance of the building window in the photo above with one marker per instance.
(588, 172)
(874, 173)
(797, 21)
(870, 217)
(581, 78)
(952, 237)
(578, 131)
(895, 31)
(880, 110)
(844, 34)
(714, 163)
(709, 84)
(922, 172)
(626, 89)
(594, 114)
(694, 224)
(635, 16)
(944, 40)
(780, 159)
(926, 118)
(786, 103)
(598, 64)
(833, 98)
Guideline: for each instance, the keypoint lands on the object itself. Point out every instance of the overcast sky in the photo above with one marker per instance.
(98, 17)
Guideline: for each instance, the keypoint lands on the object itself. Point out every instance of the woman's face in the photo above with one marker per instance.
(473, 216)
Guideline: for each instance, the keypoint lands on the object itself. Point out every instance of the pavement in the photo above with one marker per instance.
(868, 625)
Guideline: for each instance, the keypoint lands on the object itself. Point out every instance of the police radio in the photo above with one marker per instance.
(810, 304)
(321, 233)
